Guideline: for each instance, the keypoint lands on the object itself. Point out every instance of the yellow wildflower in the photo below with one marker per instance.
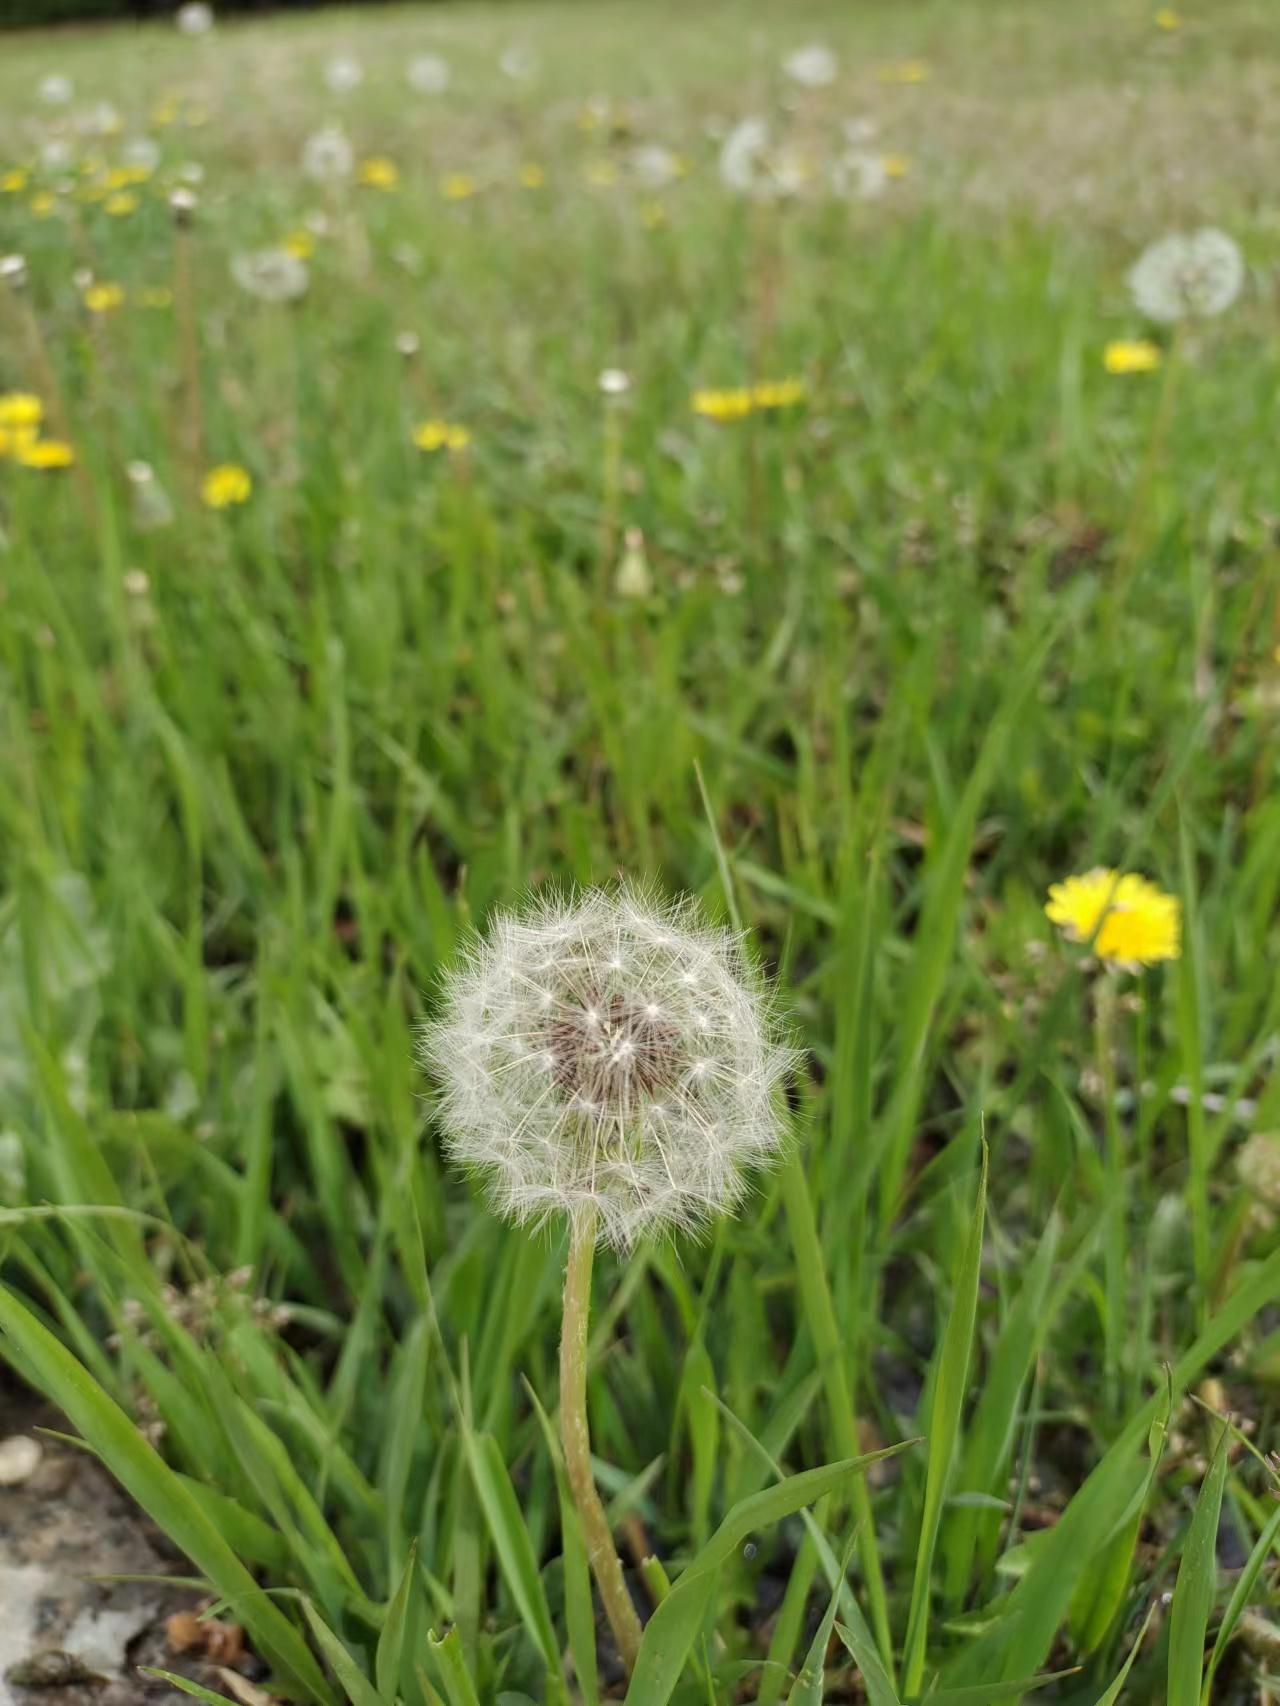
(723, 405)
(532, 177)
(165, 114)
(895, 165)
(602, 174)
(45, 453)
(457, 186)
(14, 181)
(42, 204)
(1126, 919)
(102, 298)
(379, 173)
(905, 71)
(1131, 355)
(20, 409)
(226, 484)
(653, 215)
(777, 393)
(155, 296)
(437, 434)
(122, 203)
(14, 440)
(300, 244)
(1167, 19)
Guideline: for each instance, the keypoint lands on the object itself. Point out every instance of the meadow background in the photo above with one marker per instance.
(866, 672)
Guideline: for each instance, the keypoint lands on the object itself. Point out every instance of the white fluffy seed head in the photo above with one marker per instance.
(612, 1056)
(1199, 274)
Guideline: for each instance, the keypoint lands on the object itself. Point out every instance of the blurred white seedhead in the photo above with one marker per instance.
(1199, 274)
(752, 163)
(655, 166)
(813, 67)
(327, 155)
(859, 172)
(140, 152)
(428, 74)
(55, 89)
(342, 74)
(195, 18)
(612, 1057)
(272, 275)
(517, 63)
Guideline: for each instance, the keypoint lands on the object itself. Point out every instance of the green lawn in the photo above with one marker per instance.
(869, 671)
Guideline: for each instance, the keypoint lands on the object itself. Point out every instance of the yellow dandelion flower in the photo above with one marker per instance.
(20, 409)
(457, 186)
(895, 165)
(905, 71)
(438, 434)
(118, 178)
(42, 204)
(45, 453)
(102, 298)
(730, 404)
(13, 182)
(165, 114)
(379, 173)
(121, 204)
(653, 215)
(14, 440)
(300, 244)
(224, 485)
(601, 174)
(777, 393)
(1167, 19)
(1128, 920)
(589, 119)
(1131, 355)
(531, 176)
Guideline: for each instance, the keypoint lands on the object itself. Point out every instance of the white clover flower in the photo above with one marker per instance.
(328, 156)
(195, 18)
(56, 89)
(813, 67)
(1198, 274)
(428, 74)
(611, 1057)
(752, 164)
(272, 275)
(342, 74)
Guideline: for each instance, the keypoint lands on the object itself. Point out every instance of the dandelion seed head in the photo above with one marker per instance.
(1199, 274)
(272, 275)
(195, 18)
(342, 74)
(812, 67)
(327, 155)
(428, 74)
(609, 1054)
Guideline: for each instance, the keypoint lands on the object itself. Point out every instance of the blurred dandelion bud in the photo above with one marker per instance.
(1180, 276)
(327, 155)
(408, 344)
(613, 382)
(634, 580)
(13, 271)
(182, 205)
(148, 502)
(428, 74)
(613, 1058)
(1258, 1164)
(55, 90)
(272, 275)
(812, 67)
(342, 74)
(195, 18)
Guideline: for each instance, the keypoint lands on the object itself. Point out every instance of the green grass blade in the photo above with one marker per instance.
(944, 1429)
(149, 1480)
(1196, 1586)
(1111, 1695)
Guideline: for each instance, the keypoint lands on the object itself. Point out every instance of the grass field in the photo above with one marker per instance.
(867, 671)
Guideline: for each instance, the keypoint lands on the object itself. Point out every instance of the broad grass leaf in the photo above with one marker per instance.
(1196, 1586)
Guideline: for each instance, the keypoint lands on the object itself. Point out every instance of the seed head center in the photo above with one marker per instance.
(611, 1051)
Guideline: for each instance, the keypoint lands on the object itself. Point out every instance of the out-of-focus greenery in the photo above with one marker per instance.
(972, 614)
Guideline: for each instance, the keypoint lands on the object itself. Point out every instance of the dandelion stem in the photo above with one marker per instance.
(575, 1438)
(1117, 1206)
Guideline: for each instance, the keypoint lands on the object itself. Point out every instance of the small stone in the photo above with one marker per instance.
(19, 1459)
